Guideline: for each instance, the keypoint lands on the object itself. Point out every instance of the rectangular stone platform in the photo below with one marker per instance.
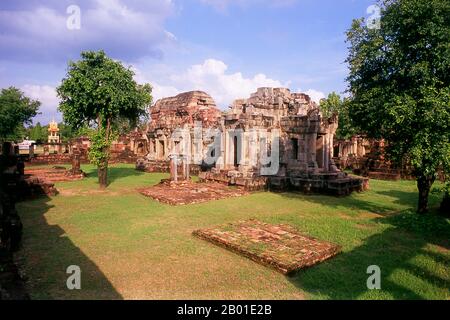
(188, 192)
(280, 247)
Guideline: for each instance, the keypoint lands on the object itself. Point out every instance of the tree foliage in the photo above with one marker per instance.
(400, 84)
(101, 93)
(333, 104)
(15, 110)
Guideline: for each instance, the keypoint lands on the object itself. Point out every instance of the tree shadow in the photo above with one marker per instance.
(345, 277)
(405, 240)
(114, 173)
(47, 252)
(334, 202)
(403, 197)
(117, 173)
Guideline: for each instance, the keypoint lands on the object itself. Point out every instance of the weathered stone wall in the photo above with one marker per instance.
(306, 139)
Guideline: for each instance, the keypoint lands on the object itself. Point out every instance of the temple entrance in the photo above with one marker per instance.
(161, 149)
(235, 152)
(294, 148)
(140, 148)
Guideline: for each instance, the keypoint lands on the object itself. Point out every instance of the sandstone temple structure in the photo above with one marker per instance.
(275, 139)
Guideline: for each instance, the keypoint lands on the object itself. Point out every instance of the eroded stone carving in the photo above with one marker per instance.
(274, 139)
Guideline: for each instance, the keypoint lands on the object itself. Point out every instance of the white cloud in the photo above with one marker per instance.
(49, 101)
(315, 95)
(212, 77)
(124, 29)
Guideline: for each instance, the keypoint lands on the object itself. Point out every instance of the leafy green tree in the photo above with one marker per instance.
(99, 92)
(38, 133)
(399, 82)
(333, 104)
(67, 132)
(15, 110)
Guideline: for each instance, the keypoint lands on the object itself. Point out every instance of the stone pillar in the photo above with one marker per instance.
(186, 169)
(227, 149)
(173, 167)
(311, 150)
(76, 163)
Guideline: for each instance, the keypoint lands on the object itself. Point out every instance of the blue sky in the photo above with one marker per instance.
(227, 48)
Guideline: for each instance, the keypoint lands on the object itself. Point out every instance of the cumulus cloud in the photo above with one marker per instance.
(224, 87)
(49, 101)
(127, 30)
(212, 77)
(315, 95)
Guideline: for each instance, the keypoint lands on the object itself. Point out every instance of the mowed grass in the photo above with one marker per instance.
(131, 247)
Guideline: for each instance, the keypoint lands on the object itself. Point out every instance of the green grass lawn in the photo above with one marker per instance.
(129, 246)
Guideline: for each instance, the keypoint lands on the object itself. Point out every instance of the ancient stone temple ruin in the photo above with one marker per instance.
(274, 139)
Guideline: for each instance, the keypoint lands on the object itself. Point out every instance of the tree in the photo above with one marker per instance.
(99, 92)
(67, 132)
(15, 110)
(399, 83)
(38, 133)
(334, 105)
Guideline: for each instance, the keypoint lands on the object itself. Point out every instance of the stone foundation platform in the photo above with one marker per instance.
(234, 178)
(338, 184)
(280, 247)
(55, 174)
(188, 192)
(162, 166)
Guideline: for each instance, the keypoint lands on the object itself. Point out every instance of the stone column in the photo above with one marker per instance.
(186, 169)
(173, 167)
(226, 158)
(76, 163)
(311, 151)
(46, 150)
(31, 151)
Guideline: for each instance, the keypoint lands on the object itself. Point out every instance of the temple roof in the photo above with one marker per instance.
(186, 107)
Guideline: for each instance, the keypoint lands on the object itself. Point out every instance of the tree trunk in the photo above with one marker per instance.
(424, 184)
(103, 176)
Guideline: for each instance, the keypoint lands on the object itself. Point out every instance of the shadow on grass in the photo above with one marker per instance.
(115, 173)
(345, 277)
(47, 252)
(349, 202)
(403, 197)
(395, 250)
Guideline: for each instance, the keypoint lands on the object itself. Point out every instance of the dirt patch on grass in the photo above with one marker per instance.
(188, 192)
(54, 174)
(370, 215)
(78, 192)
(278, 246)
(364, 226)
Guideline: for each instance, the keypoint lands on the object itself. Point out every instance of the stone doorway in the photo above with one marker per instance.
(235, 152)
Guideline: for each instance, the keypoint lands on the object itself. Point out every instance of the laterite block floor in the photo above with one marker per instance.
(281, 247)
